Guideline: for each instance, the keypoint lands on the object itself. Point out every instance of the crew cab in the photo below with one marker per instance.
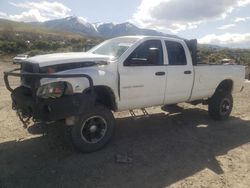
(123, 73)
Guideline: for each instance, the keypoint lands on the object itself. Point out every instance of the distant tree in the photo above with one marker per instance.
(13, 47)
(41, 45)
(8, 33)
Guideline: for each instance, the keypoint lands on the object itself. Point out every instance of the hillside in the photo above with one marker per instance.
(19, 37)
(74, 34)
(214, 54)
(10, 26)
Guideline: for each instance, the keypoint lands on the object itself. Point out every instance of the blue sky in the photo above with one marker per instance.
(222, 22)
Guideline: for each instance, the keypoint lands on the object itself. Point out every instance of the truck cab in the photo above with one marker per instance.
(156, 71)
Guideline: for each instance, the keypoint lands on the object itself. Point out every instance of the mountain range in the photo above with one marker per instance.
(79, 27)
(105, 30)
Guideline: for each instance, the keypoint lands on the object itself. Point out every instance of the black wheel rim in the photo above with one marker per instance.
(93, 129)
(225, 107)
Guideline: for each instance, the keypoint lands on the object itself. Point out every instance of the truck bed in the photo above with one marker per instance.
(208, 76)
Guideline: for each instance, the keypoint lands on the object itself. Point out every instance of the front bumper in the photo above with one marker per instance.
(29, 105)
(50, 109)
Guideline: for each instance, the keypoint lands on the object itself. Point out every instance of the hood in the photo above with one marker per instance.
(63, 58)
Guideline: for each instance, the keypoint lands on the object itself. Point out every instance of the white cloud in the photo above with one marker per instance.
(31, 15)
(178, 15)
(226, 26)
(242, 3)
(241, 19)
(227, 39)
(39, 11)
(2, 14)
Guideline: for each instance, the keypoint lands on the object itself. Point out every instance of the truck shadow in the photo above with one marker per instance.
(164, 149)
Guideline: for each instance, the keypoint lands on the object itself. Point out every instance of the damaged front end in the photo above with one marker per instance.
(50, 102)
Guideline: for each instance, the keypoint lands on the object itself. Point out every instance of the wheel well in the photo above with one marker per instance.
(105, 96)
(225, 85)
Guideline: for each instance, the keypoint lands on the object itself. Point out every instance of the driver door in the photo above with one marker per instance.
(143, 77)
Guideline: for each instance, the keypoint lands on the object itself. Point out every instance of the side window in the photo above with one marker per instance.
(176, 53)
(148, 53)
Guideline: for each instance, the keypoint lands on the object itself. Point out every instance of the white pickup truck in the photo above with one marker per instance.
(120, 74)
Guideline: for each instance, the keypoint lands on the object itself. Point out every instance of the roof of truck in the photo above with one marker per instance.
(152, 36)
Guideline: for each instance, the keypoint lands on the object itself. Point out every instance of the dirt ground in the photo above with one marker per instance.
(173, 147)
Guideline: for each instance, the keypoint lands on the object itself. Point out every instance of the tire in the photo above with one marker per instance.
(93, 130)
(220, 106)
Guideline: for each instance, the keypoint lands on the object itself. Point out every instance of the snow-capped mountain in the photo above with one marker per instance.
(72, 24)
(106, 30)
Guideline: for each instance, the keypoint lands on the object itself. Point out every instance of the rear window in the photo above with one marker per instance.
(176, 53)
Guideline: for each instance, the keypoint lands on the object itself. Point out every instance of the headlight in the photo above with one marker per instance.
(54, 90)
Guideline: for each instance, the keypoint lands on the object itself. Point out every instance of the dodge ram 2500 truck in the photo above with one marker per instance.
(120, 74)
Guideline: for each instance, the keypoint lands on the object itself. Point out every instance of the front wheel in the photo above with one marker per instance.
(220, 106)
(94, 129)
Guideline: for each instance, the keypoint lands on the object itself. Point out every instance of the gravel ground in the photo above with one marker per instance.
(174, 147)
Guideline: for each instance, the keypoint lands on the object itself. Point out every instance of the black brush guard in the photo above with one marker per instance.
(28, 105)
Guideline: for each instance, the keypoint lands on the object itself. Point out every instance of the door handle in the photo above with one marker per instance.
(160, 73)
(188, 72)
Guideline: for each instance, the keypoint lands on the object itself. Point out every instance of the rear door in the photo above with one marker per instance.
(143, 76)
(180, 72)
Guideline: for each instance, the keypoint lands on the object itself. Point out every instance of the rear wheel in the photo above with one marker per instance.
(93, 130)
(220, 105)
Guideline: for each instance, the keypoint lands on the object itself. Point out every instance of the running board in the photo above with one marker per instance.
(144, 114)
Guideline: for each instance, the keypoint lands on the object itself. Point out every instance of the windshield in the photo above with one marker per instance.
(114, 47)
